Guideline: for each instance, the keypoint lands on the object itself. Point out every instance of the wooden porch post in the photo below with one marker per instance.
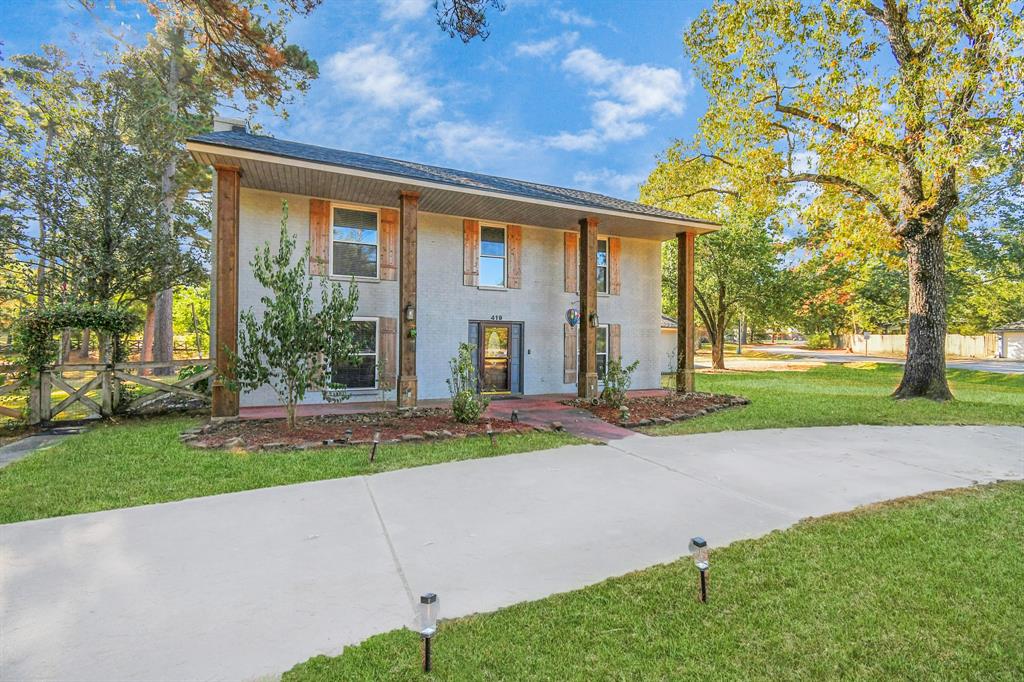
(225, 401)
(685, 331)
(586, 378)
(408, 226)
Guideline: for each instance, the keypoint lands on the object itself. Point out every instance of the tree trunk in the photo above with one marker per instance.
(162, 304)
(83, 349)
(718, 346)
(924, 375)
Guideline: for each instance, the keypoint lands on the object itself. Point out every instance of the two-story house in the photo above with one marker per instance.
(548, 283)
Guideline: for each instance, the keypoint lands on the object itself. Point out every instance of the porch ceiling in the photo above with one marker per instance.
(295, 176)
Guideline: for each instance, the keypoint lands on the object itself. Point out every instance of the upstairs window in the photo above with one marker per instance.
(602, 266)
(492, 256)
(362, 371)
(355, 243)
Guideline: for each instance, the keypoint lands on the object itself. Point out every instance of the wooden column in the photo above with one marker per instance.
(586, 377)
(225, 401)
(685, 332)
(408, 227)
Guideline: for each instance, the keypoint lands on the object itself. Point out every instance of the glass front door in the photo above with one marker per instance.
(495, 375)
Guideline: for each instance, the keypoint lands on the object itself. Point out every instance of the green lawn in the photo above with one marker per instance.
(142, 462)
(856, 393)
(921, 589)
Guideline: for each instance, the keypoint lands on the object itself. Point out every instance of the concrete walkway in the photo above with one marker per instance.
(24, 447)
(238, 586)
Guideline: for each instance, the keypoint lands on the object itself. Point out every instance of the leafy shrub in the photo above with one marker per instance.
(34, 332)
(201, 386)
(617, 379)
(467, 404)
(819, 341)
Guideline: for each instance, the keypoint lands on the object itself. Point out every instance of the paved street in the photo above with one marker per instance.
(990, 365)
(243, 585)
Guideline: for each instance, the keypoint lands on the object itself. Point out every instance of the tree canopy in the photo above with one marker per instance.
(876, 115)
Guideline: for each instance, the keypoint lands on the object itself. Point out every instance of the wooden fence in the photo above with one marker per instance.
(981, 346)
(99, 390)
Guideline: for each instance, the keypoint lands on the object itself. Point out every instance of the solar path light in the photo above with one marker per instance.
(430, 607)
(699, 551)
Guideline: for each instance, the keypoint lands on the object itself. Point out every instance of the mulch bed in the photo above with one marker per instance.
(648, 410)
(342, 429)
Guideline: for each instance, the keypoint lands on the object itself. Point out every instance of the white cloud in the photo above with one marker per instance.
(624, 95)
(624, 185)
(571, 17)
(470, 142)
(403, 10)
(383, 80)
(543, 48)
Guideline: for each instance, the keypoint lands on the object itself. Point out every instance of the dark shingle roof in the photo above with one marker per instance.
(239, 139)
(1017, 326)
(668, 322)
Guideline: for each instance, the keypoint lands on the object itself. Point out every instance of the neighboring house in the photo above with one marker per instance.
(668, 340)
(1011, 341)
(440, 257)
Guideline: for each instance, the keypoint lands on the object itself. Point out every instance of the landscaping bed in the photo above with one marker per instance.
(343, 429)
(660, 409)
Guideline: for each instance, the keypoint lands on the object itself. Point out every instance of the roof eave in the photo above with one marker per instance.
(195, 147)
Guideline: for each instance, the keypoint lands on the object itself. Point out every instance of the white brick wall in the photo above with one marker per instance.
(445, 305)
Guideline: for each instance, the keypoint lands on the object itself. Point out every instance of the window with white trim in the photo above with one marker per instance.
(354, 247)
(492, 256)
(602, 351)
(602, 265)
(362, 371)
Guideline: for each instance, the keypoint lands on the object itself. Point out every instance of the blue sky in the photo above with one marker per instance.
(581, 94)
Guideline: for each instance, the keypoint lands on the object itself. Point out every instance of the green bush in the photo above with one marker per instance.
(35, 332)
(467, 403)
(819, 341)
(201, 386)
(617, 379)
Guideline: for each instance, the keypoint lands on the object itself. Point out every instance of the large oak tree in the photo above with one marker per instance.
(881, 108)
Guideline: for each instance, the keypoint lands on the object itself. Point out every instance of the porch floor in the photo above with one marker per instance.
(536, 410)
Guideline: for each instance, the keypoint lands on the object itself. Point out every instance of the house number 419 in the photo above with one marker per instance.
(496, 318)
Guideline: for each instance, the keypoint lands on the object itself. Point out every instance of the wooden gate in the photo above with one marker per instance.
(98, 392)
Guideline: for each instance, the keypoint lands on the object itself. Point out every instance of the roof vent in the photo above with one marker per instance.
(225, 124)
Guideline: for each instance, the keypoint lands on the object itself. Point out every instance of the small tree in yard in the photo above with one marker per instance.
(293, 347)
(617, 380)
(467, 404)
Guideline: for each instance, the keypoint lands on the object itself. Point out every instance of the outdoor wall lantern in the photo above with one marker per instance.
(594, 320)
(430, 608)
(410, 312)
(699, 551)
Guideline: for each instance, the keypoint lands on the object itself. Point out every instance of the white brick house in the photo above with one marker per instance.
(441, 257)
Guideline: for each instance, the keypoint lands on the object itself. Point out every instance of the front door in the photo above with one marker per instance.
(495, 358)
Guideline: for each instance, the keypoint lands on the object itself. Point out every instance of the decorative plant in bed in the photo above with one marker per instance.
(615, 407)
(345, 429)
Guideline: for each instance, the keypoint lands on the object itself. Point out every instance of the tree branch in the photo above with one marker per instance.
(850, 185)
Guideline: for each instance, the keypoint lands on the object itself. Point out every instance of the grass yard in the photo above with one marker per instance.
(917, 589)
(142, 462)
(854, 393)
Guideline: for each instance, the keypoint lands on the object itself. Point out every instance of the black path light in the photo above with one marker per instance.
(699, 551)
(430, 608)
(376, 442)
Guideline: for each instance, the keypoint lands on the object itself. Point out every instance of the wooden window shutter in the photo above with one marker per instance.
(569, 354)
(615, 342)
(514, 246)
(614, 265)
(388, 351)
(471, 253)
(319, 236)
(388, 244)
(572, 262)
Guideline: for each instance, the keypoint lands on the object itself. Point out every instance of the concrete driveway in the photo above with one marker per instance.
(239, 586)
